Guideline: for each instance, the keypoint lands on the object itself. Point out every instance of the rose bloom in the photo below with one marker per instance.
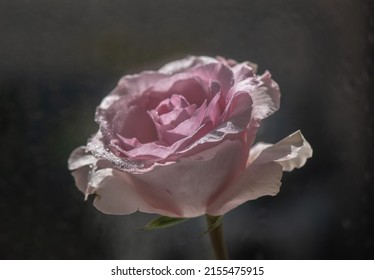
(178, 141)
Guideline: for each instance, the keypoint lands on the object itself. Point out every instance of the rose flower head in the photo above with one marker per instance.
(179, 141)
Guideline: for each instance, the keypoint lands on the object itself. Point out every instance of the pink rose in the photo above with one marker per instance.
(178, 141)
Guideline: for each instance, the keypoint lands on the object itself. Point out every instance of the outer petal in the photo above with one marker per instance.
(264, 92)
(185, 63)
(79, 158)
(79, 163)
(115, 194)
(133, 85)
(81, 178)
(96, 146)
(292, 152)
(263, 173)
(244, 70)
(190, 182)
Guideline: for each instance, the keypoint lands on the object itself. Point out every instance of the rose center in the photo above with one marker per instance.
(172, 111)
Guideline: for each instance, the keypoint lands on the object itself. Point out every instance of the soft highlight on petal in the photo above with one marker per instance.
(79, 158)
(115, 194)
(291, 152)
(185, 64)
(264, 172)
(254, 182)
(190, 182)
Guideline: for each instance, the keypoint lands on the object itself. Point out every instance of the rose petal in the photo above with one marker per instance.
(193, 89)
(190, 182)
(217, 72)
(193, 85)
(215, 107)
(185, 64)
(263, 173)
(239, 105)
(96, 146)
(233, 129)
(126, 123)
(254, 182)
(291, 152)
(81, 178)
(79, 157)
(132, 85)
(79, 163)
(115, 194)
(243, 71)
(264, 92)
(176, 116)
(190, 125)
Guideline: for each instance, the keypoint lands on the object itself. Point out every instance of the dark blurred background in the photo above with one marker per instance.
(58, 59)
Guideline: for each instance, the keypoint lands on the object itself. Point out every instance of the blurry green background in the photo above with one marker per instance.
(58, 59)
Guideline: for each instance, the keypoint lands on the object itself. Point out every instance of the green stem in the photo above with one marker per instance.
(216, 237)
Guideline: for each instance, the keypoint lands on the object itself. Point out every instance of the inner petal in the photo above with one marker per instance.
(177, 116)
(170, 104)
(136, 123)
(190, 125)
(178, 101)
(194, 90)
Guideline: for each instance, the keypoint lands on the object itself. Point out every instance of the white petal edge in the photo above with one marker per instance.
(291, 152)
(79, 158)
(81, 178)
(185, 63)
(79, 163)
(115, 194)
(255, 181)
(264, 172)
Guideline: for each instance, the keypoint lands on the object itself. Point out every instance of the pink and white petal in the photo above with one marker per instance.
(264, 92)
(215, 109)
(190, 182)
(132, 85)
(97, 147)
(190, 125)
(126, 143)
(291, 152)
(138, 83)
(239, 105)
(194, 83)
(234, 123)
(228, 61)
(81, 178)
(126, 123)
(80, 163)
(254, 182)
(115, 194)
(79, 158)
(243, 71)
(151, 151)
(297, 158)
(272, 92)
(233, 129)
(193, 89)
(263, 173)
(218, 72)
(200, 76)
(185, 63)
(176, 116)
